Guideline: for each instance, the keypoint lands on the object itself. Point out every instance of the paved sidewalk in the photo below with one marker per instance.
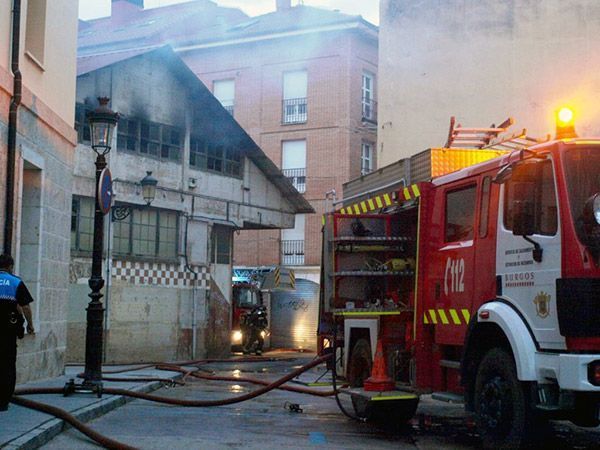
(24, 428)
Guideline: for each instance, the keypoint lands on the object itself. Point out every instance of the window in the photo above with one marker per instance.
(485, 206)
(294, 97)
(367, 95)
(292, 242)
(82, 126)
(35, 32)
(82, 224)
(293, 163)
(221, 238)
(460, 214)
(215, 158)
(147, 233)
(150, 139)
(366, 158)
(535, 182)
(224, 91)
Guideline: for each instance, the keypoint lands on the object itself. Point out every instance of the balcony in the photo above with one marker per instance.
(294, 111)
(297, 178)
(292, 253)
(369, 110)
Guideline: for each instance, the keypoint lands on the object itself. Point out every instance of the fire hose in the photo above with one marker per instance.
(110, 443)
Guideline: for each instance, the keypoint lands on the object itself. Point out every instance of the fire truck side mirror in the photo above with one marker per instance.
(523, 208)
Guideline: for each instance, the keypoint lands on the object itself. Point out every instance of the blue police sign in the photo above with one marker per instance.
(105, 192)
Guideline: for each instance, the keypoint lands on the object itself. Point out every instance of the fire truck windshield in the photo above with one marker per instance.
(245, 297)
(582, 167)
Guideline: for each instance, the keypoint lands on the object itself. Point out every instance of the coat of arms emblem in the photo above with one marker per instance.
(542, 304)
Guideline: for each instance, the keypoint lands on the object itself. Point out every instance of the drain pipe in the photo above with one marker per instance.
(12, 128)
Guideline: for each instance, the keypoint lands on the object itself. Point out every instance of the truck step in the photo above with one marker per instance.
(448, 397)
(448, 364)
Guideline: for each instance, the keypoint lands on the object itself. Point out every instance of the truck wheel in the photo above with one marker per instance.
(502, 409)
(359, 366)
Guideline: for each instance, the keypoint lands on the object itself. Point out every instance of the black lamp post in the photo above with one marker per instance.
(102, 124)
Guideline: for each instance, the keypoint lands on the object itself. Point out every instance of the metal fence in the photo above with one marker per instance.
(297, 177)
(292, 253)
(294, 111)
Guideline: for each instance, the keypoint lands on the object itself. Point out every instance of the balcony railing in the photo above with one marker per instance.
(297, 177)
(229, 109)
(369, 110)
(292, 253)
(294, 111)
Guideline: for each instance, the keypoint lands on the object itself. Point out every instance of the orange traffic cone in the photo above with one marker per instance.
(379, 380)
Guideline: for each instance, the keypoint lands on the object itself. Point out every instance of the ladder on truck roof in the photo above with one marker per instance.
(491, 138)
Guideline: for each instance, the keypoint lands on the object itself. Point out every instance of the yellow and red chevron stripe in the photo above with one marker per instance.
(382, 201)
(446, 317)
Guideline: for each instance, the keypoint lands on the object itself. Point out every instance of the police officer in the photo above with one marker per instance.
(14, 304)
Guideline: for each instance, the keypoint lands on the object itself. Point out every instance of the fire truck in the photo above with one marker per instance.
(480, 285)
(249, 288)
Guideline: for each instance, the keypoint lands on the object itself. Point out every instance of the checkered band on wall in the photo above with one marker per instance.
(160, 274)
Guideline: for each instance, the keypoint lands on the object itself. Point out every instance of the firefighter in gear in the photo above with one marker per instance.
(14, 304)
(254, 327)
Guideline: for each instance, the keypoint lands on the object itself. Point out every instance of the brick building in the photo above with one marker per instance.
(301, 81)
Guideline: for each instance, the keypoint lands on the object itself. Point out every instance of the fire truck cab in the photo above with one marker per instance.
(483, 283)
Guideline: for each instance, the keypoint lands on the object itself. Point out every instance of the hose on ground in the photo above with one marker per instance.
(71, 420)
(200, 376)
(190, 403)
(334, 376)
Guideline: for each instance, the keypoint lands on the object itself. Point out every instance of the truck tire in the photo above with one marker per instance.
(503, 410)
(359, 366)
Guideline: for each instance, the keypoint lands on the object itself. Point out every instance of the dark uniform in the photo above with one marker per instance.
(13, 292)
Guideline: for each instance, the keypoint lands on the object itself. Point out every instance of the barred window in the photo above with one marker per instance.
(82, 224)
(147, 233)
(215, 158)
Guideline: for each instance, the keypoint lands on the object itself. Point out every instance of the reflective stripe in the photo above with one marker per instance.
(387, 199)
(356, 209)
(443, 316)
(433, 316)
(406, 194)
(363, 205)
(416, 191)
(455, 317)
(379, 202)
(425, 319)
(371, 204)
(467, 315)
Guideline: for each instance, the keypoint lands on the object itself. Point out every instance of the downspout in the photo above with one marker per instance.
(12, 128)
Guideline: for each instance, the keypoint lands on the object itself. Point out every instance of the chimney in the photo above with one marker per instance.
(282, 5)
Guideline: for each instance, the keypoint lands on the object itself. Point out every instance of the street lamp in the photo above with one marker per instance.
(148, 184)
(102, 124)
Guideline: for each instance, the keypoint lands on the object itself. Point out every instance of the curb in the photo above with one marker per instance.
(48, 430)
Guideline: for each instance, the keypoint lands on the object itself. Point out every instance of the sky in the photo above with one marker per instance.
(369, 9)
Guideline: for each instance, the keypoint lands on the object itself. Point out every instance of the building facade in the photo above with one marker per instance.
(484, 61)
(302, 82)
(37, 84)
(167, 265)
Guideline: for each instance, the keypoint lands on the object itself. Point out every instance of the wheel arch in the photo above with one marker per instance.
(504, 328)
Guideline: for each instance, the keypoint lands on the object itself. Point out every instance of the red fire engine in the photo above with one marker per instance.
(482, 283)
